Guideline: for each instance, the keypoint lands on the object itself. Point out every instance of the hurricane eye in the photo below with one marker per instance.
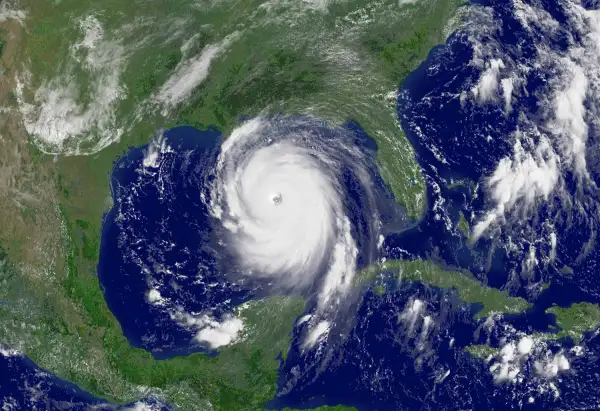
(276, 199)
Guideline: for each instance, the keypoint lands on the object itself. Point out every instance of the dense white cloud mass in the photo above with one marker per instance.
(217, 334)
(282, 219)
(9, 11)
(279, 193)
(283, 205)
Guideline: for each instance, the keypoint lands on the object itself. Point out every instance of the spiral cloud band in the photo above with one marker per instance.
(201, 225)
(279, 192)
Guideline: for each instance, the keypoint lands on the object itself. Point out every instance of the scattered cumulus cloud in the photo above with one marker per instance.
(552, 141)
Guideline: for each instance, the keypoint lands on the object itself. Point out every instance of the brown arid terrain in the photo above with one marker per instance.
(30, 219)
(83, 84)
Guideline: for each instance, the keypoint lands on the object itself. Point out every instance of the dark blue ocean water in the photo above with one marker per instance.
(379, 364)
(158, 227)
(24, 386)
(375, 368)
(160, 234)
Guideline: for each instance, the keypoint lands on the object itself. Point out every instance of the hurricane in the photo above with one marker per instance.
(281, 196)
(281, 206)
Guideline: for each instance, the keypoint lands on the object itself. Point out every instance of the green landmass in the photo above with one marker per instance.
(50, 329)
(468, 287)
(379, 290)
(573, 321)
(576, 319)
(463, 225)
(341, 64)
(460, 183)
(481, 351)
